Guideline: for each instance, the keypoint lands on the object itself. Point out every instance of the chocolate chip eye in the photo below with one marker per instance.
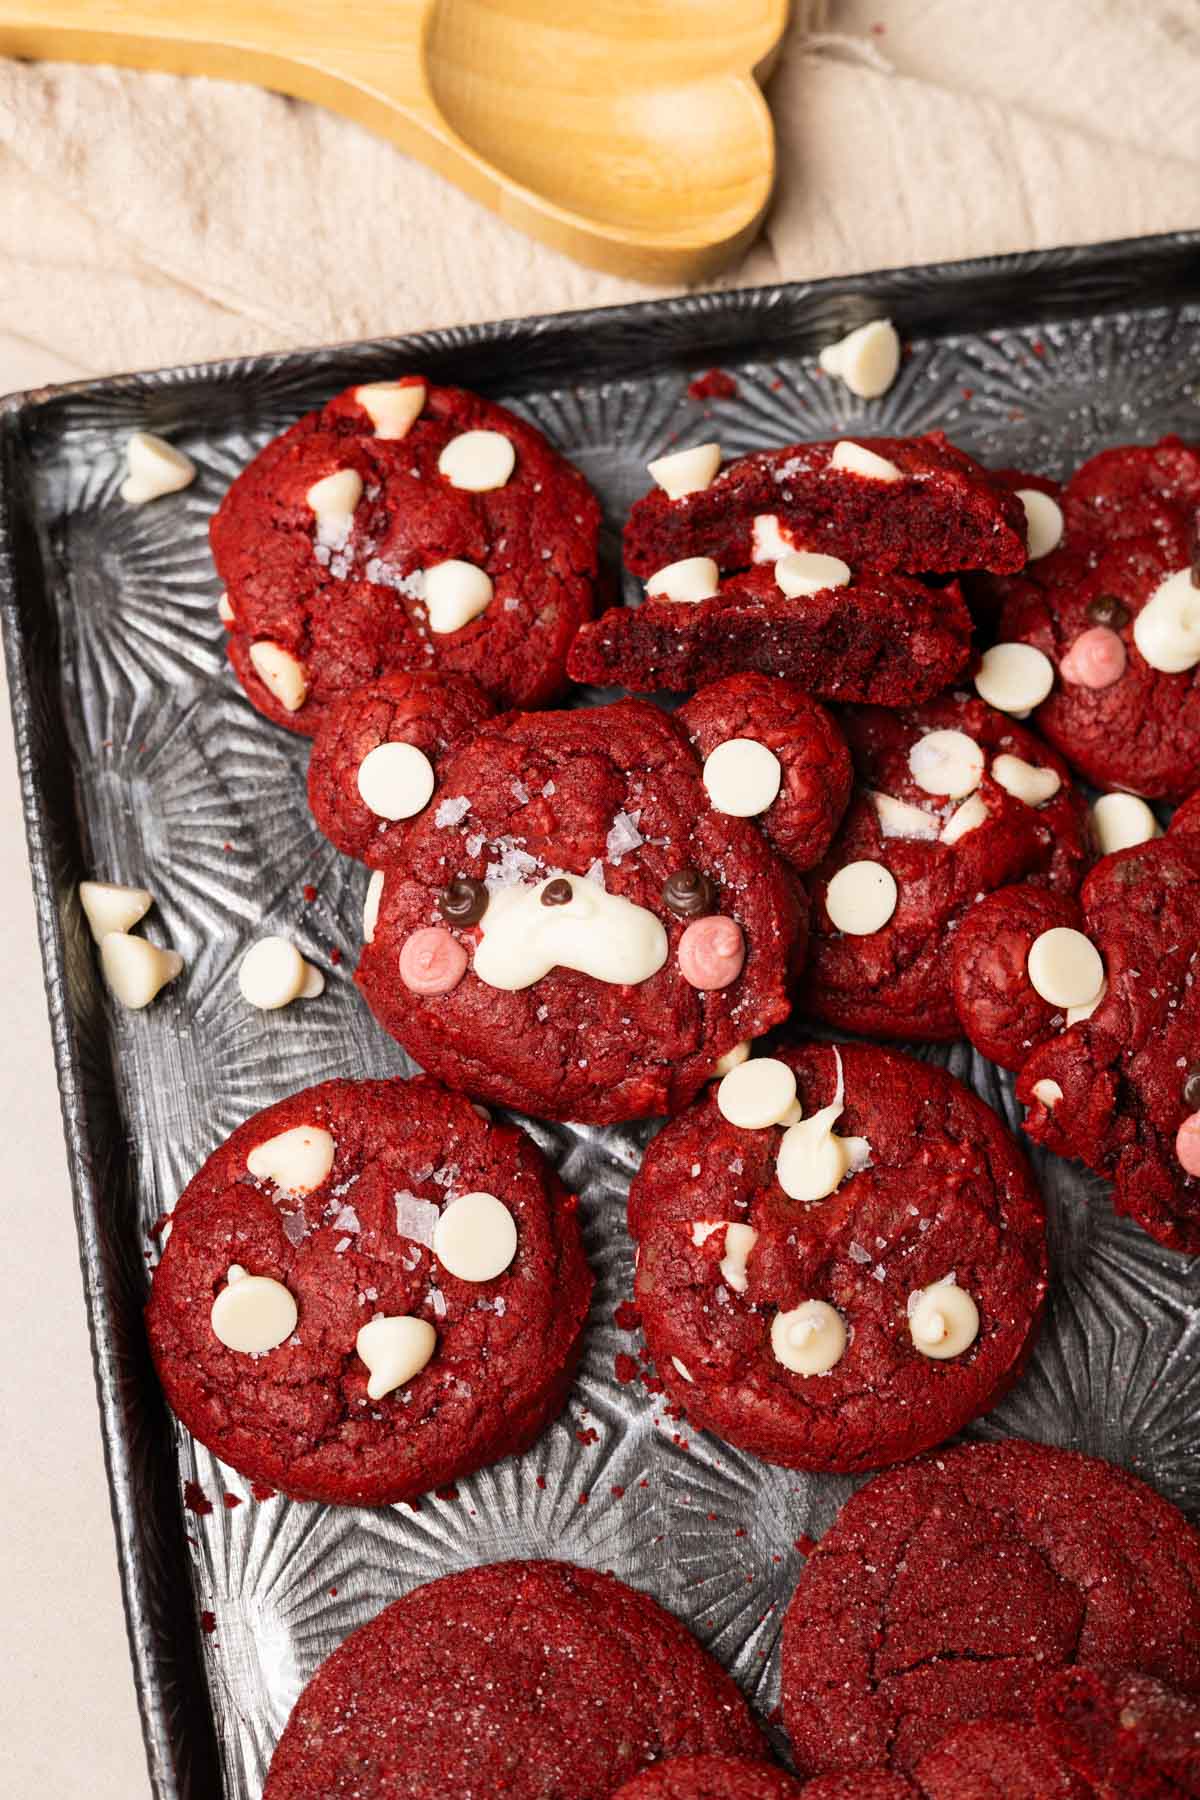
(464, 902)
(1106, 609)
(688, 893)
(1191, 1087)
(557, 892)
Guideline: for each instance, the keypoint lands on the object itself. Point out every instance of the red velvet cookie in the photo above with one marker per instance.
(710, 1778)
(952, 1589)
(858, 1786)
(536, 1680)
(847, 1291)
(368, 1291)
(1116, 611)
(999, 1008)
(572, 927)
(994, 1760)
(1185, 820)
(954, 799)
(404, 527)
(1126, 1737)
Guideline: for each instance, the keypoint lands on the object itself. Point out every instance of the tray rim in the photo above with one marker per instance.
(1133, 259)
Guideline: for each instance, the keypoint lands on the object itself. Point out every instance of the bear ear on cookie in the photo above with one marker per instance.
(378, 754)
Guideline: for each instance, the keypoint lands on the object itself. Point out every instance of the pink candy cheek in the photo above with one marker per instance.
(1095, 660)
(711, 952)
(1187, 1144)
(432, 962)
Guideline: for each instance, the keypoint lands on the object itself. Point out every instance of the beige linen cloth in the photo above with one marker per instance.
(148, 219)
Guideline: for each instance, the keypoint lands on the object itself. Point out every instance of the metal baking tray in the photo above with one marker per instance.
(140, 761)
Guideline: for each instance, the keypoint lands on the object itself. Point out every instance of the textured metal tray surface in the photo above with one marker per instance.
(141, 762)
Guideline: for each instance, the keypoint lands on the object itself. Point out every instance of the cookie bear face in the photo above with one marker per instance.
(404, 526)
(841, 1258)
(953, 799)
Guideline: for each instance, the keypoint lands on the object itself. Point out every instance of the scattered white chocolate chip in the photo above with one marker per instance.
(279, 672)
(334, 499)
(946, 762)
(739, 1242)
(136, 969)
(296, 1161)
(967, 817)
(856, 459)
(682, 1369)
(1048, 1092)
(742, 777)
(703, 1229)
(695, 578)
(273, 974)
(392, 406)
(597, 933)
(1121, 820)
(475, 1238)
(478, 461)
(1026, 781)
(155, 468)
(395, 780)
(371, 906)
(803, 572)
(253, 1313)
(900, 819)
(1085, 1008)
(110, 907)
(1167, 630)
(455, 593)
(732, 1059)
(861, 898)
(866, 359)
(225, 610)
(770, 541)
(394, 1350)
(757, 1094)
(1014, 678)
(1065, 967)
(943, 1320)
(686, 471)
(813, 1161)
(810, 1339)
(1043, 522)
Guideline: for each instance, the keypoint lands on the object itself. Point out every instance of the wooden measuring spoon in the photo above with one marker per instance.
(631, 134)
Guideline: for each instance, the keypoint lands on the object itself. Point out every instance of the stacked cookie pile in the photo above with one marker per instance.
(896, 669)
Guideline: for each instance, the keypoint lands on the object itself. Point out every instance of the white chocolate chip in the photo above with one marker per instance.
(742, 777)
(866, 359)
(395, 780)
(1043, 522)
(732, 1059)
(136, 969)
(455, 593)
(946, 762)
(770, 541)
(110, 907)
(967, 817)
(900, 819)
(225, 610)
(1014, 678)
(1121, 820)
(856, 459)
(1065, 967)
(695, 578)
(943, 1320)
(861, 898)
(393, 406)
(475, 1238)
(1048, 1092)
(253, 1313)
(739, 1242)
(681, 1369)
(334, 499)
(155, 468)
(1026, 781)
(757, 1094)
(686, 471)
(296, 1161)
(371, 906)
(279, 672)
(478, 461)
(1085, 1009)
(810, 1339)
(803, 572)
(1167, 630)
(394, 1350)
(703, 1229)
(597, 933)
(812, 1161)
(273, 974)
